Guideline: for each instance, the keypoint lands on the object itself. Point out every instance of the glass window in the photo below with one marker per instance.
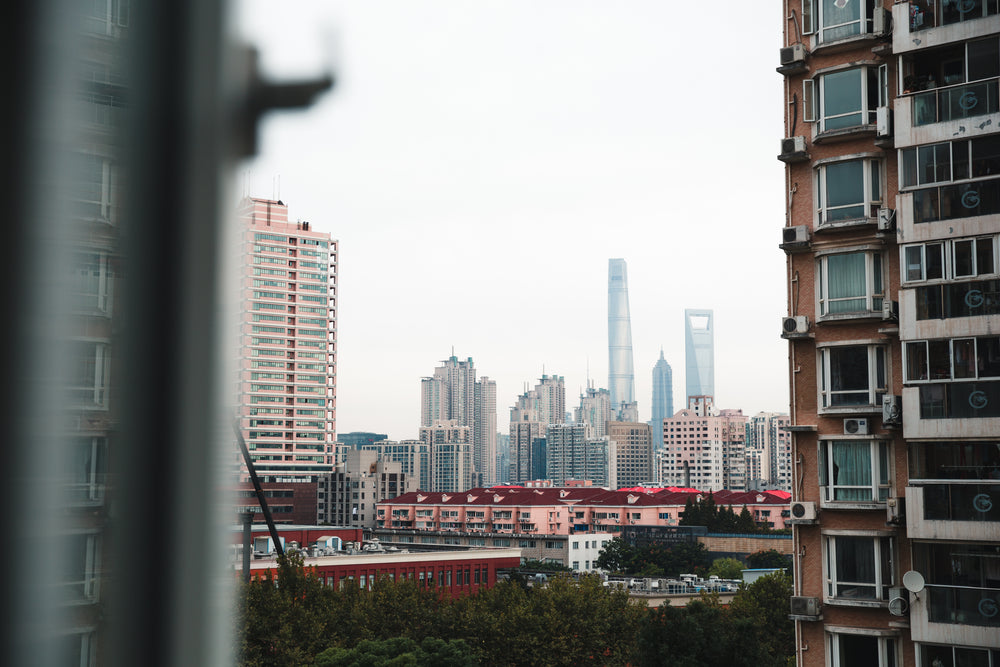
(847, 650)
(848, 190)
(854, 471)
(851, 283)
(858, 567)
(840, 19)
(853, 375)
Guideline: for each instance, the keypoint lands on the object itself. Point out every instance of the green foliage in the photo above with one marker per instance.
(535, 565)
(726, 568)
(766, 603)
(706, 513)
(562, 623)
(654, 560)
(400, 652)
(768, 559)
(753, 632)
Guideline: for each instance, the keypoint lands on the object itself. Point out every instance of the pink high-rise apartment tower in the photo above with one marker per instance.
(288, 342)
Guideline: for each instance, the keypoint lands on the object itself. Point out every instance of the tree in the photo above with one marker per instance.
(616, 556)
(745, 522)
(400, 652)
(765, 603)
(727, 568)
(768, 559)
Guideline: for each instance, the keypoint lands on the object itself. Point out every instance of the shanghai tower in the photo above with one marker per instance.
(621, 376)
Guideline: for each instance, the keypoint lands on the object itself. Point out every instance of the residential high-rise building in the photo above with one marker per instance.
(572, 455)
(703, 451)
(632, 449)
(503, 458)
(451, 455)
(287, 358)
(484, 437)
(453, 394)
(414, 457)
(526, 429)
(663, 398)
(699, 352)
(769, 452)
(621, 374)
(891, 236)
(595, 411)
(551, 391)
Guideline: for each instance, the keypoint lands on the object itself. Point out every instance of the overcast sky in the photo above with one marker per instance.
(481, 161)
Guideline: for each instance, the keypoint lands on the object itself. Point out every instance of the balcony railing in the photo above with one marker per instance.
(966, 100)
(963, 605)
(962, 502)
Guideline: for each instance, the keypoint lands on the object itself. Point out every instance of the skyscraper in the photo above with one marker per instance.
(663, 398)
(699, 353)
(621, 375)
(595, 411)
(453, 394)
(288, 342)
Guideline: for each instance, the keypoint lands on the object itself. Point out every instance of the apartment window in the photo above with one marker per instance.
(955, 359)
(88, 380)
(94, 181)
(849, 190)
(80, 574)
(92, 282)
(833, 20)
(959, 80)
(854, 470)
(853, 375)
(850, 283)
(858, 567)
(934, 655)
(844, 99)
(849, 650)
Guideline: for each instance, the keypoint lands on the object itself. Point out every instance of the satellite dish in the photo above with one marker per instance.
(913, 581)
(897, 606)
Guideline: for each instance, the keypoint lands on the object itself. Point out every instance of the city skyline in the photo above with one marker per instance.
(531, 150)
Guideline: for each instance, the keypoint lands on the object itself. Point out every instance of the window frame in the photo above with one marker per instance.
(873, 195)
(912, 347)
(813, 24)
(880, 468)
(814, 96)
(874, 273)
(888, 649)
(875, 392)
(884, 571)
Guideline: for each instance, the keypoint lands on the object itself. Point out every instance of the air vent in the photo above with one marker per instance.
(855, 426)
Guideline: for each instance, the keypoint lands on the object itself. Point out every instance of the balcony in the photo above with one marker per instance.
(959, 511)
(921, 27)
(956, 615)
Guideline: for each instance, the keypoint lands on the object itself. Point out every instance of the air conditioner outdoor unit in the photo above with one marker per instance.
(892, 410)
(881, 19)
(803, 511)
(895, 511)
(803, 606)
(886, 219)
(796, 53)
(797, 235)
(883, 122)
(793, 145)
(898, 601)
(856, 426)
(796, 324)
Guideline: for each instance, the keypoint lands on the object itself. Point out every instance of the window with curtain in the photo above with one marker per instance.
(858, 567)
(849, 650)
(851, 283)
(854, 471)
